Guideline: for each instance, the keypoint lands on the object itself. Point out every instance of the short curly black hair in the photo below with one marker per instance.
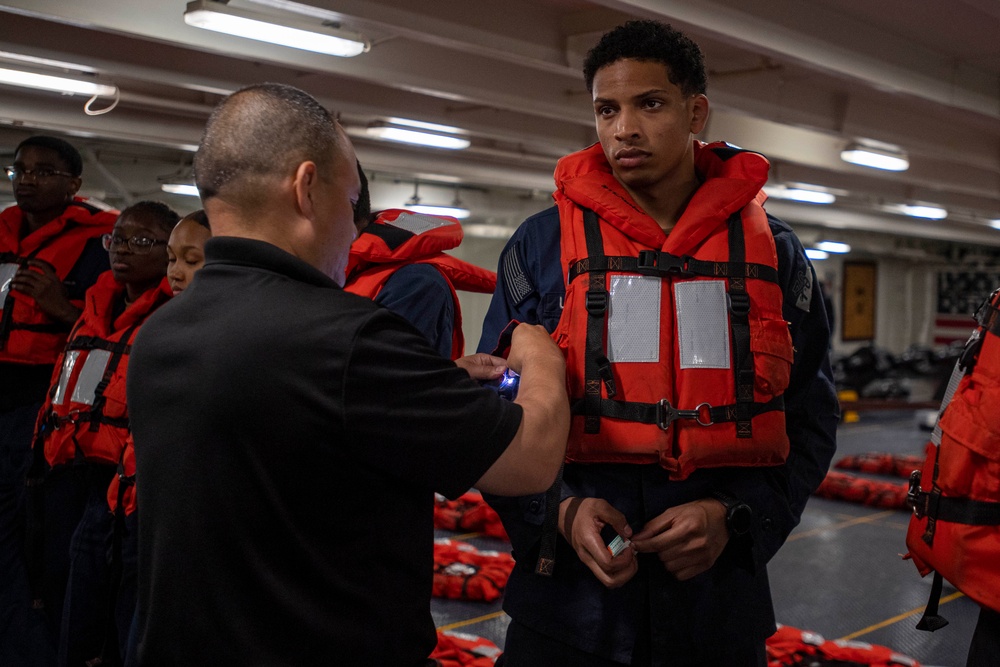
(65, 150)
(650, 41)
(156, 212)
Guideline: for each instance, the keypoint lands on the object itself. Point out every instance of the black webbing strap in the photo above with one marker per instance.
(663, 414)
(739, 322)
(597, 368)
(931, 620)
(663, 264)
(392, 235)
(120, 349)
(956, 510)
(546, 563)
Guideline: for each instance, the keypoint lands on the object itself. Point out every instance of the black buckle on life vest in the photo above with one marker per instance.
(597, 303)
(657, 263)
(667, 414)
(739, 304)
(915, 498)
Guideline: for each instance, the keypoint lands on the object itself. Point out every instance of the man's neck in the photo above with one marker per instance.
(666, 204)
(32, 222)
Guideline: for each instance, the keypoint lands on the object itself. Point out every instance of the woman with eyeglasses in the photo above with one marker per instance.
(83, 429)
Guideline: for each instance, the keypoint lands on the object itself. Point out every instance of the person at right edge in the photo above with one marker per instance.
(955, 497)
(697, 346)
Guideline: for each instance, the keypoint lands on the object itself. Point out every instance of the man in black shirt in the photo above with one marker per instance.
(289, 436)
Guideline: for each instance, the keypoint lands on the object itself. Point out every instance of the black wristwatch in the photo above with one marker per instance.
(739, 516)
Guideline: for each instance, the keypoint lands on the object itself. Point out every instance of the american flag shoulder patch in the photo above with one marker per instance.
(516, 281)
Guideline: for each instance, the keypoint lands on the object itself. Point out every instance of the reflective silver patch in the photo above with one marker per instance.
(417, 223)
(634, 319)
(702, 323)
(90, 376)
(7, 272)
(69, 362)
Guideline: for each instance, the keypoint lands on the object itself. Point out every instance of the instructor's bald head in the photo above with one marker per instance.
(261, 133)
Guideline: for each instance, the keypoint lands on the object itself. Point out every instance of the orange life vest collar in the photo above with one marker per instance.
(681, 411)
(93, 423)
(399, 238)
(27, 335)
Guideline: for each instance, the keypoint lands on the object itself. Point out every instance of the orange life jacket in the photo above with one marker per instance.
(458, 649)
(687, 353)
(791, 647)
(85, 414)
(463, 572)
(872, 492)
(468, 514)
(27, 335)
(398, 238)
(955, 527)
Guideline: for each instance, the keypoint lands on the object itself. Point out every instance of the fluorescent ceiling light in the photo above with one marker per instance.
(924, 211)
(57, 84)
(452, 211)
(417, 137)
(180, 189)
(421, 125)
(995, 224)
(881, 156)
(813, 253)
(800, 194)
(293, 33)
(833, 246)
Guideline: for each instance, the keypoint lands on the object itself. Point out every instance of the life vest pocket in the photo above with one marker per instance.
(771, 344)
(969, 465)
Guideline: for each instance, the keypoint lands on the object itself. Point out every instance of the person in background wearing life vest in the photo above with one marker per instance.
(82, 431)
(398, 260)
(697, 363)
(185, 256)
(955, 528)
(50, 253)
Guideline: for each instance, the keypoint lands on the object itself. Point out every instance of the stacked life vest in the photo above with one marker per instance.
(881, 463)
(463, 572)
(27, 335)
(955, 527)
(469, 513)
(458, 649)
(791, 647)
(399, 238)
(687, 352)
(85, 416)
(863, 490)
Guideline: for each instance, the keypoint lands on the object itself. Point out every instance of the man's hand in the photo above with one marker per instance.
(687, 538)
(531, 343)
(39, 281)
(482, 366)
(580, 522)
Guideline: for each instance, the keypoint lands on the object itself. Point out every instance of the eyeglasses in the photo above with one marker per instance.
(14, 173)
(140, 245)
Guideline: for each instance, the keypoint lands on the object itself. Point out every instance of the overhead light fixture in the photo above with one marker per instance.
(876, 155)
(456, 210)
(833, 246)
(58, 84)
(995, 223)
(420, 137)
(807, 195)
(181, 189)
(929, 211)
(217, 16)
(816, 254)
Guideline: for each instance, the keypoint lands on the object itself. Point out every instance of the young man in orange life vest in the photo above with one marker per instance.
(83, 429)
(697, 360)
(399, 260)
(50, 253)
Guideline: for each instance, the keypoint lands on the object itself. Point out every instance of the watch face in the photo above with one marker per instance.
(739, 519)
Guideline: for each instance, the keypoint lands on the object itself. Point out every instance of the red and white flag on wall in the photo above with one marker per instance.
(960, 293)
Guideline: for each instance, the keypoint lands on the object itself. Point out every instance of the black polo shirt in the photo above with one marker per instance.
(289, 437)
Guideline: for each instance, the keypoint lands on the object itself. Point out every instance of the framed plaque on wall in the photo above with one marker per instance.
(859, 301)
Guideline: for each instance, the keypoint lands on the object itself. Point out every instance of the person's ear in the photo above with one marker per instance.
(304, 185)
(699, 113)
(74, 186)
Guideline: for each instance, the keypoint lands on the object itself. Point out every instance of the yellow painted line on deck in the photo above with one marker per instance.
(464, 536)
(843, 524)
(900, 617)
(471, 621)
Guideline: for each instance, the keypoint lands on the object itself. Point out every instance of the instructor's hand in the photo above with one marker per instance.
(580, 522)
(481, 366)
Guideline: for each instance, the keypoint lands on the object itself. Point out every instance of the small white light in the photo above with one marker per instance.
(220, 17)
(57, 84)
(421, 125)
(995, 223)
(800, 194)
(877, 157)
(180, 189)
(833, 246)
(452, 211)
(813, 253)
(419, 138)
(924, 211)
